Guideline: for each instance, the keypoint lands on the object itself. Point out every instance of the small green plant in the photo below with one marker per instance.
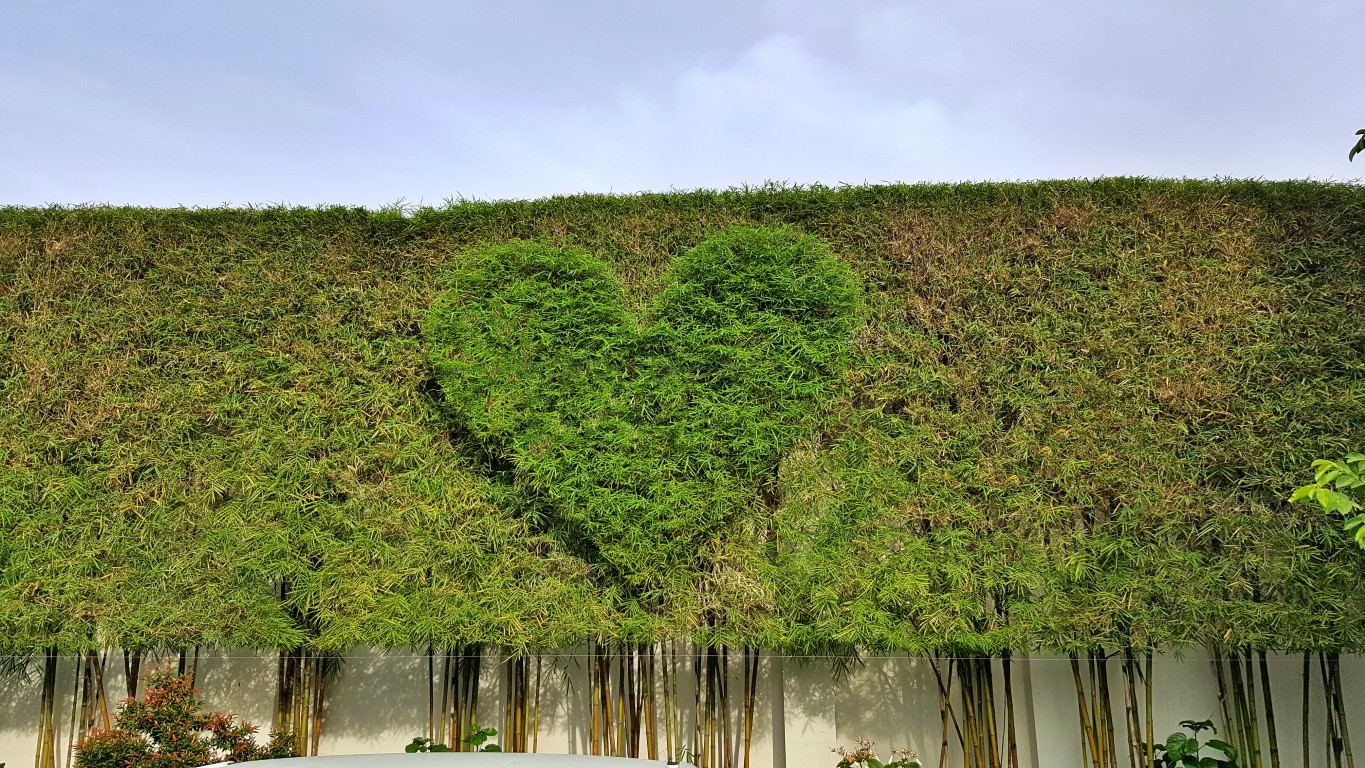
(1337, 487)
(423, 744)
(476, 738)
(1182, 750)
(166, 729)
(865, 756)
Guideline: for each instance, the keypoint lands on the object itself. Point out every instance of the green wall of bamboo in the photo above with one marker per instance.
(1068, 417)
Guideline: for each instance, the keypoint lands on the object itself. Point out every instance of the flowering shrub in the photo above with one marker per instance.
(166, 729)
(866, 757)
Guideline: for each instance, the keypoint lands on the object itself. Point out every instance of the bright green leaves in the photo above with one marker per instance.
(1336, 486)
(640, 439)
(1181, 750)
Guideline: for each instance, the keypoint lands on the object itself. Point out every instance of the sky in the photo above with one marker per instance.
(407, 102)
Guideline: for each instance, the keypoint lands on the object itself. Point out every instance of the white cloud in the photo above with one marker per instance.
(776, 112)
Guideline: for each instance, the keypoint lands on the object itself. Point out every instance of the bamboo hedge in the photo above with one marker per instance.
(970, 419)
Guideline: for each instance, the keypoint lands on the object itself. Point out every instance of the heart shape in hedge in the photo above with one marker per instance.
(643, 436)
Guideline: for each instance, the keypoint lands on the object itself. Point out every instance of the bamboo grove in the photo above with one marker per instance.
(959, 422)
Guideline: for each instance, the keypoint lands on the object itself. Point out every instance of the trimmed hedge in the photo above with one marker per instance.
(969, 417)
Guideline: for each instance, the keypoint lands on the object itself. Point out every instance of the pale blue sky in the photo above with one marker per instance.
(198, 103)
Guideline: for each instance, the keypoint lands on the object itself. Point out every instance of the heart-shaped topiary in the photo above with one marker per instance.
(638, 438)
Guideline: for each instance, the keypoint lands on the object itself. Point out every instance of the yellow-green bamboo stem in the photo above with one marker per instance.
(1244, 726)
(595, 729)
(77, 675)
(1130, 707)
(1088, 738)
(535, 720)
(45, 755)
(1107, 707)
(988, 675)
(698, 746)
(651, 717)
(1230, 731)
(1252, 715)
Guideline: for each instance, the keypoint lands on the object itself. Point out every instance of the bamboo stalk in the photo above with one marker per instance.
(301, 698)
(100, 696)
(1252, 716)
(1307, 708)
(1239, 703)
(1147, 697)
(45, 755)
(622, 708)
(1099, 697)
(973, 753)
(943, 704)
(651, 717)
(666, 651)
(472, 662)
(1011, 733)
(1333, 741)
(612, 711)
(1088, 737)
(1230, 731)
(727, 740)
(1271, 736)
(77, 675)
(535, 720)
(751, 657)
(1131, 722)
(282, 683)
(698, 746)
(1339, 703)
(132, 668)
(945, 699)
(509, 675)
(1097, 719)
(595, 726)
(988, 704)
(319, 701)
(451, 689)
(942, 715)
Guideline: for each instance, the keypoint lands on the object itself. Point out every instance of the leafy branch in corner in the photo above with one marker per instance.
(1337, 487)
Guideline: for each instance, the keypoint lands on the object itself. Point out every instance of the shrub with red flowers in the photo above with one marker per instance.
(166, 729)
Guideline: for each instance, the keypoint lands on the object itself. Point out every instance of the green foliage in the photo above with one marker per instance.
(166, 729)
(639, 440)
(1181, 750)
(424, 744)
(476, 739)
(1359, 147)
(865, 756)
(1338, 487)
(1051, 402)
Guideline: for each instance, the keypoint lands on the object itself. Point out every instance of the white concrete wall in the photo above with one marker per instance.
(378, 703)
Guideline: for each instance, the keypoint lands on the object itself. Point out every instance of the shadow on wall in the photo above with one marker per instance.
(894, 702)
